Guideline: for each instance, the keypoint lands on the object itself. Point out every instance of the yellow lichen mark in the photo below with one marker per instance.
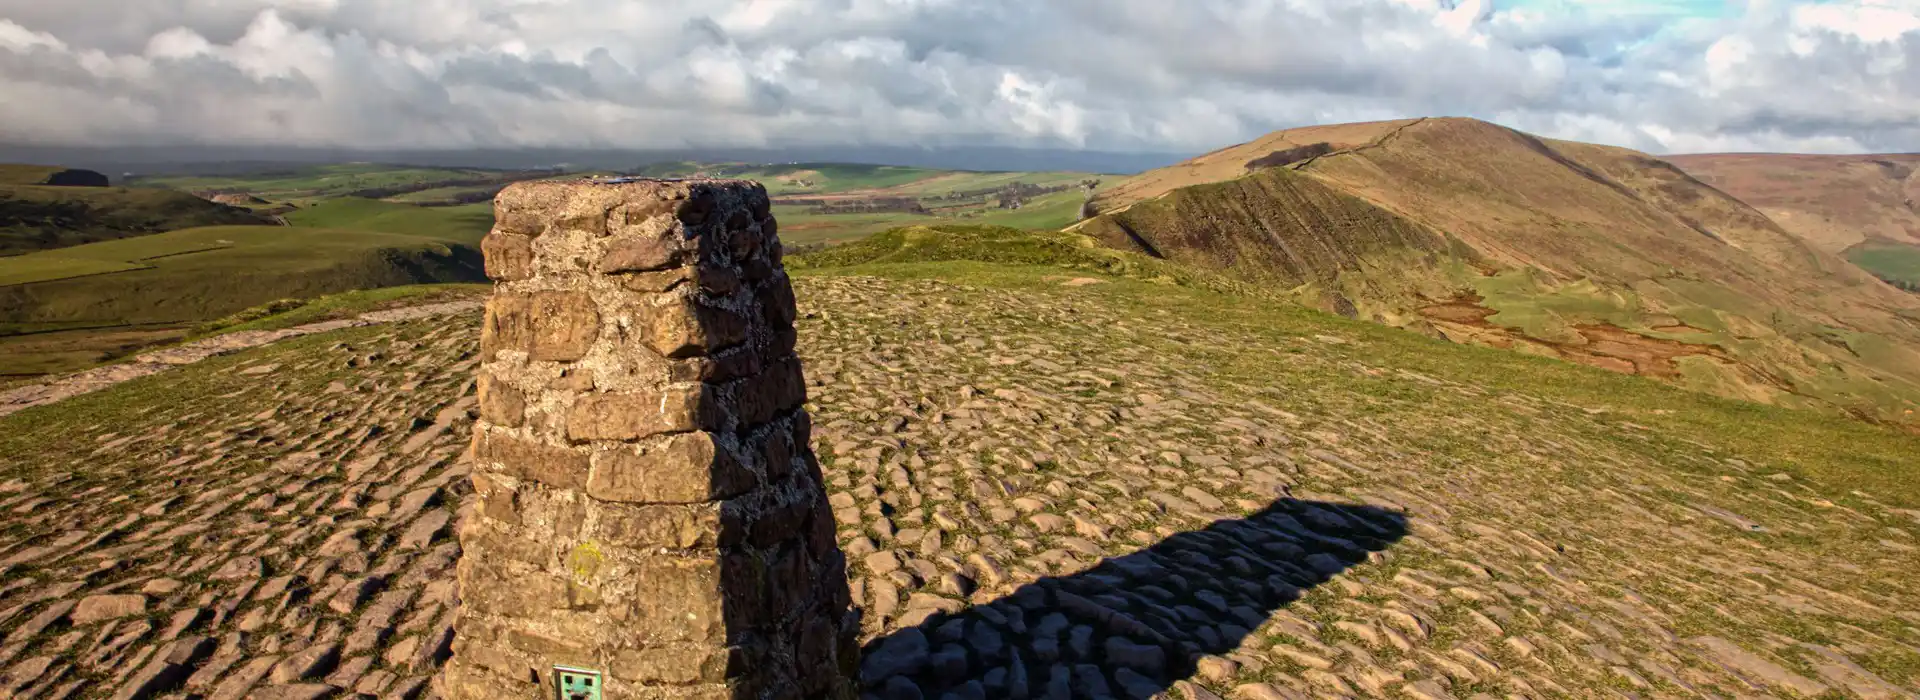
(584, 561)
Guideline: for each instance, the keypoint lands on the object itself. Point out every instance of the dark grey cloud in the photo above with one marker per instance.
(1124, 75)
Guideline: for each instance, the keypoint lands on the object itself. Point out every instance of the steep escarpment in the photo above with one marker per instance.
(1278, 227)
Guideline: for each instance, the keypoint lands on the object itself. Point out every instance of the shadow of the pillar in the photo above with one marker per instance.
(1132, 625)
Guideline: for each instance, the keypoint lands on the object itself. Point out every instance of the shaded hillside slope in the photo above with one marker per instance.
(1280, 228)
(44, 217)
(1596, 254)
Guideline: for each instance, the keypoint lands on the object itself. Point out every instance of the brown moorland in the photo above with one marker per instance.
(1835, 202)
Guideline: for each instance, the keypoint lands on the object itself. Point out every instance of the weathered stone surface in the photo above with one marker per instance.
(682, 468)
(680, 664)
(683, 327)
(680, 600)
(509, 256)
(107, 607)
(661, 526)
(778, 389)
(500, 403)
(640, 254)
(635, 415)
(553, 465)
(547, 325)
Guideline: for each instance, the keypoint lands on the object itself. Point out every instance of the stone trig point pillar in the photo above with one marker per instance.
(650, 509)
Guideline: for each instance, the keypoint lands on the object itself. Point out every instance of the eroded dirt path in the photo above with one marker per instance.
(43, 393)
(1040, 496)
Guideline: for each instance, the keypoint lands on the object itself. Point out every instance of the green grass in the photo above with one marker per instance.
(58, 351)
(439, 194)
(1897, 263)
(234, 267)
(466, 223)
(999, 244)
(1550, 312)
(821, 178)
(1049, 212)
(319, 181)
(23, 174)
(962, 181)
(45, 268)
(799, 226)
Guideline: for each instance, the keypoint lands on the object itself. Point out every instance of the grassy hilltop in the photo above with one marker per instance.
(1034, 444)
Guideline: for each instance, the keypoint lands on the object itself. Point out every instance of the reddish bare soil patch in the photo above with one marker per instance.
(1648, 356)
(1606, 346)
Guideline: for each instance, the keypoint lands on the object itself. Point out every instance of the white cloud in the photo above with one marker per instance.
(1663, 75)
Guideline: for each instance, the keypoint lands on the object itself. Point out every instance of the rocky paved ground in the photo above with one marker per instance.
(1043, 496)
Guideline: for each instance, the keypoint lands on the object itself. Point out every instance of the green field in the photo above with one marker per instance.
(466, 223)
(24, 174)
(830, 178)
(439, 195)
(322, 181)
(44, 268)
(799, 178)
(204, 273)
(1897, 263)
(181, 278)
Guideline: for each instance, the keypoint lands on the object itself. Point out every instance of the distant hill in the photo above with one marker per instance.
(78, 207)
(19, 174)
(1864, 207)
(1484, 234)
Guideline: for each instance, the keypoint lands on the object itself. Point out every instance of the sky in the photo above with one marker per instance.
(1160, 76)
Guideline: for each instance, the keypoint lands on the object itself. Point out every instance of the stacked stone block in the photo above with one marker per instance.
(648, 501)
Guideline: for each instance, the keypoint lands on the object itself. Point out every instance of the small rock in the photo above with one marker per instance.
(108, 607)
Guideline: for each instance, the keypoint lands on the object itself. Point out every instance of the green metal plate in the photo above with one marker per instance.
(576, 683)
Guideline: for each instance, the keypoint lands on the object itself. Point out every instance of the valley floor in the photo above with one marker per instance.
(1046, 488)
